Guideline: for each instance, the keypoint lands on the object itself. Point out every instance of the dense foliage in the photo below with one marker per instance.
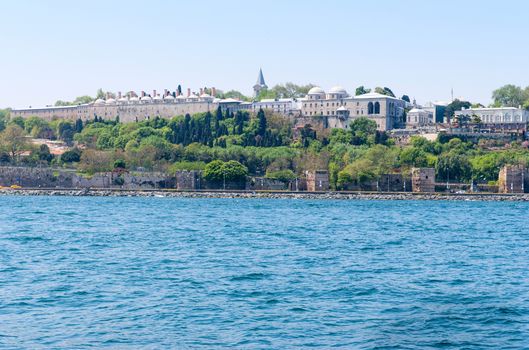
(227, 145)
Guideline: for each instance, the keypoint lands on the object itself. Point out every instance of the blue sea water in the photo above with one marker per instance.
(166, 273)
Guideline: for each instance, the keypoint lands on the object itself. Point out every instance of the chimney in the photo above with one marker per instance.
(165, 92)
(188, 92)
(213, 92)
(153, 93)
(201, 91)
(119, 94)
(143, 93)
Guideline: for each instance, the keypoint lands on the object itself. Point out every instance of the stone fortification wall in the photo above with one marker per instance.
(265, 184)
(126, 112)
(50, 178)
(188, 180)
(34, 177)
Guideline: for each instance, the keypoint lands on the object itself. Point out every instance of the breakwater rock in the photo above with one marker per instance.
(271, 195)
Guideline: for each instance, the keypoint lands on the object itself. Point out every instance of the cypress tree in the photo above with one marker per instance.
(218, 116)
(186, 137)
(217, 128)
(207, 136)
(78, 125)
(261, 129)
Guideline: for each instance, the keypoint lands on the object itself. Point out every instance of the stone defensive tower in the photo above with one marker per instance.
(423, 179)
(513, 179)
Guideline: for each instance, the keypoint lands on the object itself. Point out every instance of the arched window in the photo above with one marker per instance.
(370, 108)
(377, 108)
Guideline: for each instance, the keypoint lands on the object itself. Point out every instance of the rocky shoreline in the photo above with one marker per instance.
(270, 195)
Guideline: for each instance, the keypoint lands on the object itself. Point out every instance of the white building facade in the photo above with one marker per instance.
(418, 117)
(284, 106)
(339, 109)
(501, 115)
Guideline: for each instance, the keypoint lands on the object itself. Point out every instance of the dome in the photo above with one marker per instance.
(316, 91)
(169, 97)
(123, 99)
(134, 99)
(146, 98)
(181, 97)
(99, 101)
(338, 90)
(111, 101)
(157, 98)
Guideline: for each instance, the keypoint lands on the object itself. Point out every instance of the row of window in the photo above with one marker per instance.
(329, 104)
(358, 112)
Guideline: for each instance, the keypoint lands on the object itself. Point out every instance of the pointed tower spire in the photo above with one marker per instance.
(260, 78)
(260, 85)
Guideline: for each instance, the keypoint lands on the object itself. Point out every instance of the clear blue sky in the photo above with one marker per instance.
(61, 49)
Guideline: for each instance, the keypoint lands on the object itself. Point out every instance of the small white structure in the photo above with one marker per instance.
(285, 106)
(419, 117)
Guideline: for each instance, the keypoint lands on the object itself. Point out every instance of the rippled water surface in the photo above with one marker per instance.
(166, 273)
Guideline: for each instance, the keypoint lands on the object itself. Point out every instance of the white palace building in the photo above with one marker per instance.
(335, 108)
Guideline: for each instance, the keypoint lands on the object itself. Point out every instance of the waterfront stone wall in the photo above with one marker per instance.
(188, 180)
(394, 183)
(34, 177)
(50, 178)
(265, 184)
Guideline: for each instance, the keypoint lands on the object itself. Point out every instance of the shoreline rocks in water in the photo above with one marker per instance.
(270, 195)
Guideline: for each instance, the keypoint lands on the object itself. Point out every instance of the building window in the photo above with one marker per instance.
(370, 108)
(377, 108)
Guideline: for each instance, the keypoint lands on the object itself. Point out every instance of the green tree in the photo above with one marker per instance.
(17, 121)
(4, 117)
(285, 175)
(456, 105)
(218, 171)
(120, 164)
(71, 156)
(509, 96)
(237, 95)
(384, 91)
(100, 94)
(43, 153)
(13, 141)
(361, 90)
(261, 129)
(290, 90)
(453, 167)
